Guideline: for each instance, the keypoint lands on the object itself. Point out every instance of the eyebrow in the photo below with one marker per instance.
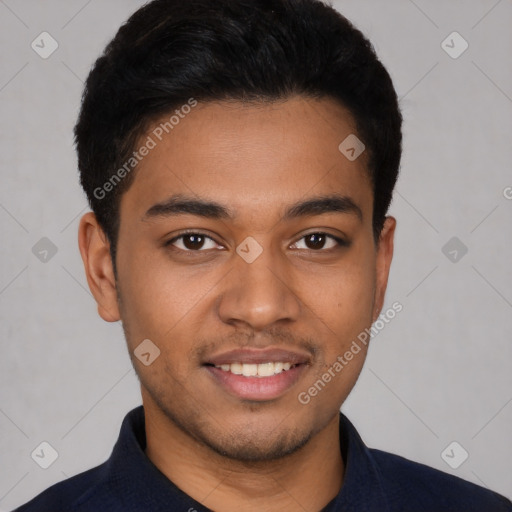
(182, 205)
(323, 204)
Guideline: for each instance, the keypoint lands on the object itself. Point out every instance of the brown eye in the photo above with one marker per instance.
(315, 240)
(192, 242)
(319, 241)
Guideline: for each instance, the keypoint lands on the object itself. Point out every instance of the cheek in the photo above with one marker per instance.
(344, 303)
(149, 299)
(158, 298)
(344, 296)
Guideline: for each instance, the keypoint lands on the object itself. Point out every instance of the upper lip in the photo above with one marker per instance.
(259, 356)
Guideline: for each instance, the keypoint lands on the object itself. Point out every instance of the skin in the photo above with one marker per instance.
(256, 160)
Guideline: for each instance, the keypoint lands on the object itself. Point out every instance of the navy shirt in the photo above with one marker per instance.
(374, 481)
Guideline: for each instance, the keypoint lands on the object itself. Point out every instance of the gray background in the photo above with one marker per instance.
(438, 373)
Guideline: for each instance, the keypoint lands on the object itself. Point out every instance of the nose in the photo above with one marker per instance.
(259, 294)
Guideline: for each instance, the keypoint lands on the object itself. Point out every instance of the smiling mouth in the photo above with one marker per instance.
(260, 370)
(256, 374)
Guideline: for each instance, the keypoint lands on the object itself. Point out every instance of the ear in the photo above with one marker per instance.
(383, 264)
(95, 250)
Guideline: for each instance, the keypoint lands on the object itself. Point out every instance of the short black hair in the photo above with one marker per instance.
(170, 52)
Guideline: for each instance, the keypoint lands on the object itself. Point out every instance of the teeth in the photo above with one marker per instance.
(256, 370)
(249, 370)
(266, 369)
(236, 368)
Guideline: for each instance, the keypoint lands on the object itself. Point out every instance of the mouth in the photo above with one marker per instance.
(261, 370)
(257, 375)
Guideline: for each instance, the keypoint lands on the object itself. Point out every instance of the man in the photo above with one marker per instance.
(239, 157)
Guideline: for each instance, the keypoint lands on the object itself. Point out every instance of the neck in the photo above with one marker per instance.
(305, 480)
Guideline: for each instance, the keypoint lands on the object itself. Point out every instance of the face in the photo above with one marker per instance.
(246, 255)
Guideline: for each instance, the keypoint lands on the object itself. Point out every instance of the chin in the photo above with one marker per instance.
(242, 447)
(246, 439)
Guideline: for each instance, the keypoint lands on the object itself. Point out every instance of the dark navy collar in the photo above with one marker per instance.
(374, 481)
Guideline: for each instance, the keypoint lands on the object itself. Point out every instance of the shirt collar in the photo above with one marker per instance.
(362, 488)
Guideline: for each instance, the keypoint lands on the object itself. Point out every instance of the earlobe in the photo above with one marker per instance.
(383, 263)
(95, 251)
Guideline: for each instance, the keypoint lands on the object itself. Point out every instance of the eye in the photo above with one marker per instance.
(192, 242)
(319, 241)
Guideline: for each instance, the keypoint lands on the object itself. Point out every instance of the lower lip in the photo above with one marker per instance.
(257, 388)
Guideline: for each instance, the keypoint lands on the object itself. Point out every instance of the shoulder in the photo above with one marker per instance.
(424, 488)
(75, 493)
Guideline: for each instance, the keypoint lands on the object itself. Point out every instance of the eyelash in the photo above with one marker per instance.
(339, 241)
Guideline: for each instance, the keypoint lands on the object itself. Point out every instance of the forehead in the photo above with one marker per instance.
(253, 157)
